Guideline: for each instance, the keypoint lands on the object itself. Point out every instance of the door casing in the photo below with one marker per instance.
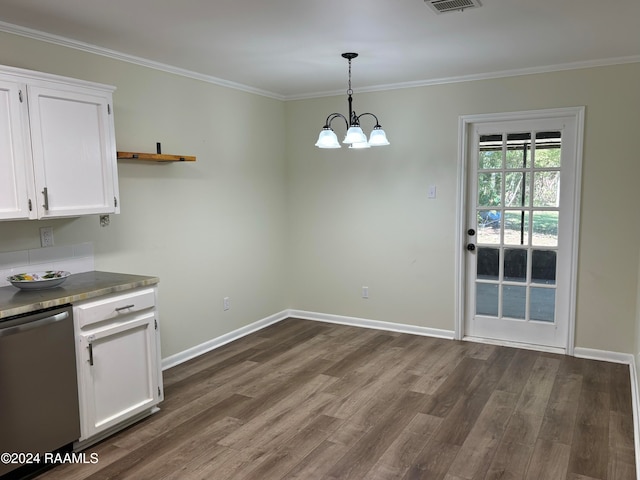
(465, 124)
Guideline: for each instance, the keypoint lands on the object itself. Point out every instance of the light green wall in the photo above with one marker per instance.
(208, 229)
(363, 217)
(309, 232)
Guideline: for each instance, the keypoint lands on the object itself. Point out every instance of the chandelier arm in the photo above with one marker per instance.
(332, 117)
(367, 113)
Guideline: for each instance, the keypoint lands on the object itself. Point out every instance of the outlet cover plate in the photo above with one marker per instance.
(46, 236)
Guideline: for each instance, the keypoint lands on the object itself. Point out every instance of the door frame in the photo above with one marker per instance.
(465, 125)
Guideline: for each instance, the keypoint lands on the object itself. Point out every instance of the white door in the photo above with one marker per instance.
(520, 227)
(118, 370)
(14, 157)
(72, 152)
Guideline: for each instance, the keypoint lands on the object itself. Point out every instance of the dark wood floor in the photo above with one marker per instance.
(308, 400)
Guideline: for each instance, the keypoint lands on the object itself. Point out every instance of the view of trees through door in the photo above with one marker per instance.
(517, 187)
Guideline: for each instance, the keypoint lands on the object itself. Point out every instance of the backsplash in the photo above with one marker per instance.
(72, 258)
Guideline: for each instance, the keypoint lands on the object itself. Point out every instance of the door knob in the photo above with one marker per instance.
(471, 232)
(471, 247)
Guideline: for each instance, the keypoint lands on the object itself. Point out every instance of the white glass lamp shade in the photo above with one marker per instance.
(378, 137)
(360, 145)
(327, 139)
(355, 135)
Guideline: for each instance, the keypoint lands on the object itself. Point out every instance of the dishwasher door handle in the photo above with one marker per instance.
(29, 324)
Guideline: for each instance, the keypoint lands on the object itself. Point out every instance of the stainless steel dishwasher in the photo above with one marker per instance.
(38, 384)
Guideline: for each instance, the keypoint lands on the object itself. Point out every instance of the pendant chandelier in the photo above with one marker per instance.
(355, 137)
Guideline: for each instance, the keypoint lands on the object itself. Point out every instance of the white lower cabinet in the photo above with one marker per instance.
(118, 360)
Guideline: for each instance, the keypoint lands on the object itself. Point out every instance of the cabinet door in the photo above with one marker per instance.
(73, 152)
(118, 373)
(14, 153)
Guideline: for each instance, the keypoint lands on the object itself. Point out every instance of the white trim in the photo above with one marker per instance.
(25, 76)
(523, 346)
(575, 241)
(635, 403)
(465, 122)
(105, 52)
(602, 62)
(374, 324)
(217, 342)
(603, 355)
(461, 206)
(125, 57)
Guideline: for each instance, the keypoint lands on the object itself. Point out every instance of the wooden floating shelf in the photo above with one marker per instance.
(154, 157)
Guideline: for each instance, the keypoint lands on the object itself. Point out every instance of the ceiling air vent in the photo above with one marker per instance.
(443, 6)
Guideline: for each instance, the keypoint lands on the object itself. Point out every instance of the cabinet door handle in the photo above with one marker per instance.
(91, 354)
(126, 307)
(45, 192)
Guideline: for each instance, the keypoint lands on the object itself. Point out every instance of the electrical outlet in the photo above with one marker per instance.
(46, 236)
(365, 292)
(226, 303)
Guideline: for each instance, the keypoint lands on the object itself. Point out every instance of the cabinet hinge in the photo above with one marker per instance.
(115, 202)
(155, 322)
(30, 206)
(108, 109)
(20, 95)
(159, 393)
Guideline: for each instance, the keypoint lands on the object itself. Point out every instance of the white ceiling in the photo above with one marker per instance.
(291, 48)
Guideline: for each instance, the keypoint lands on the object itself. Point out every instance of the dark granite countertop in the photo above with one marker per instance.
(79, 286)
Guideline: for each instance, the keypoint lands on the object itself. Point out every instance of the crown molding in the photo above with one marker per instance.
(603, 62)
(113, 54)
(105, 52)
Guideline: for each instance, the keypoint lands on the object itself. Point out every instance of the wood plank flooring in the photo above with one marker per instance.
(308, 400)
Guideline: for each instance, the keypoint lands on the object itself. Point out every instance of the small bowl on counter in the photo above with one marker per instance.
(38, 280)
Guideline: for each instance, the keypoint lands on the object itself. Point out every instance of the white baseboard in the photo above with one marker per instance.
(375, 324)
(635, 402)
(217, 342)
(214, 343)
(604, 355)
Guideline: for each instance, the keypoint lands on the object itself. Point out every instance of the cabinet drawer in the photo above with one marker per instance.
(114, 306)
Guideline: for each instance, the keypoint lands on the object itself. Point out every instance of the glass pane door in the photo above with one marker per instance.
(521, 211)
(517, 211)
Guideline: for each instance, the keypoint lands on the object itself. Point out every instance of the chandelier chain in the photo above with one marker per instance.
(349, 90)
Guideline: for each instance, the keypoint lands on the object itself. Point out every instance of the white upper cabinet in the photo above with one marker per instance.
(72, 152)
(63, 158)
(14, 144)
